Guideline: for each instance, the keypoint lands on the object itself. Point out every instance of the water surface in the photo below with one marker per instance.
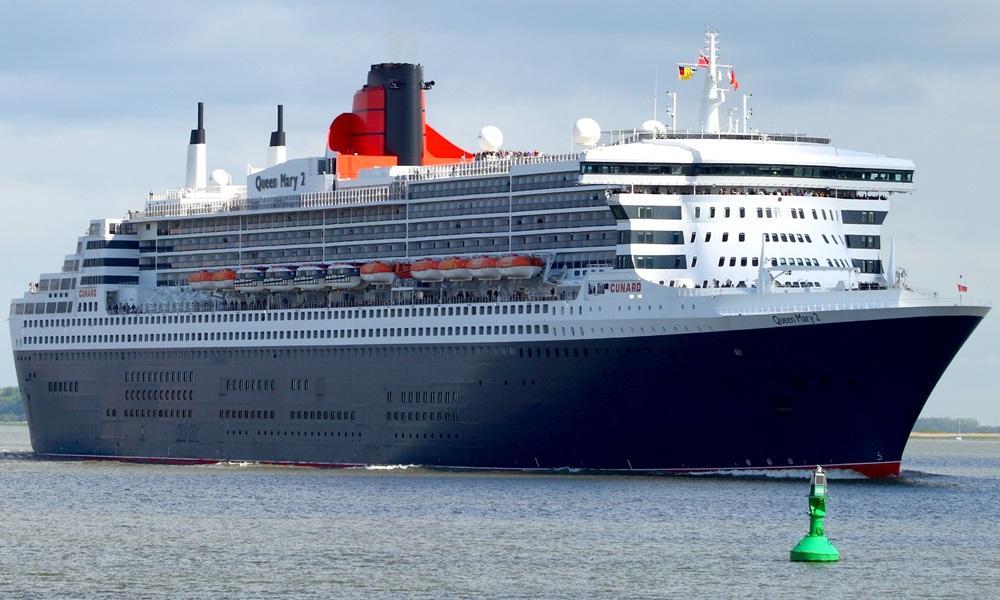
(104, 529)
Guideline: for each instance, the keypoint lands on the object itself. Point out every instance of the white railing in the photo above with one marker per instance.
(628, 136)
(486, 165)
(353, 196)
(860, 305)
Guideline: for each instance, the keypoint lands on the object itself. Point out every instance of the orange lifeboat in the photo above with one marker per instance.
(378, 272)
(427, 269)
(456, 269)
(224, 279)
(520, 266)
(402, 270)
(484, 267)
(202, 280)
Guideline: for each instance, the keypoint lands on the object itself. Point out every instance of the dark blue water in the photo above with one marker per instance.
(83, 529)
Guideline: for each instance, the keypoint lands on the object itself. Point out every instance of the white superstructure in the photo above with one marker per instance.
(662, 230)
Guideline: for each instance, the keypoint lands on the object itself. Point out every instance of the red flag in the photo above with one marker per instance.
(732, 80)
(702, 60)
(962, 287)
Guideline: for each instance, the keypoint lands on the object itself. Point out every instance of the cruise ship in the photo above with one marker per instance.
(657, 300)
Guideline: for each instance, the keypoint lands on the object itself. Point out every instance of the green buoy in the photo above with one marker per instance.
(814, 547)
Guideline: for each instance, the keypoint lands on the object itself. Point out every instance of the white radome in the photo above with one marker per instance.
(653, 126)
(490, 138)
(586, 132)
(221, 177)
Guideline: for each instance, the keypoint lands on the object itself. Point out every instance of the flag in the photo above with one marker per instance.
(962, 288)
(702, 60)
(732, 80)
(685, 72)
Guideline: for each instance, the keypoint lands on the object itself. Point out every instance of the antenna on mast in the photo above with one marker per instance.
(672, 111)
(656, 90)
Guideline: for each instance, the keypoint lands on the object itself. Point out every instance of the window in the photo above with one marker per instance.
(725, 236)
(708, 237)
(743, 237)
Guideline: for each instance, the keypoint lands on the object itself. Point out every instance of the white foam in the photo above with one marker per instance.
(390, 467)
(780, 473)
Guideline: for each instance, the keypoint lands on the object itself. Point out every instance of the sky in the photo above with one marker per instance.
(97, 100)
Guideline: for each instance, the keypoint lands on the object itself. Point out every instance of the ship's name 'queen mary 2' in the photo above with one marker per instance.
(656, 301)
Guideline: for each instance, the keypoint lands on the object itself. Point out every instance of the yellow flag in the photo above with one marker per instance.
(685, 72)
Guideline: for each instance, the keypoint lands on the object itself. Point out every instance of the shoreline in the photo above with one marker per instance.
(926, 435)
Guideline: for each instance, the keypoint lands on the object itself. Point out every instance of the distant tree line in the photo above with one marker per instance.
(950, 425)
(10, 405)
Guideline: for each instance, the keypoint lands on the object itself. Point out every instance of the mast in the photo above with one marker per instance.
(713, 97)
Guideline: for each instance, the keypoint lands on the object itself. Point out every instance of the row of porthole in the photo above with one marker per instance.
(159, 394)
(151, 413)
(273, 433)
(246, 414)
(426, 436)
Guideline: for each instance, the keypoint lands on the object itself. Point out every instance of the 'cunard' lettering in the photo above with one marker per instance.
(625, 287)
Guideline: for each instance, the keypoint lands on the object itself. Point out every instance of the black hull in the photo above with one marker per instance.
(842, 394)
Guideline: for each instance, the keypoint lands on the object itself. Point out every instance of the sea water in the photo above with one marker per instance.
(80, 529)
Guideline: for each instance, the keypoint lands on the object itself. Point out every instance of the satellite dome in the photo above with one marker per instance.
(586, 132)
(221, 177)
(653, 126)
(490, 138)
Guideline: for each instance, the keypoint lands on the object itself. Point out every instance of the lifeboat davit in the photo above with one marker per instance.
(224, 279)
(343, 277)
(310, 277)
(485, 267)
(519, 266)
(455, 269)
(202, 280)
(250, 279)
(279, 279)
(378, 273)
(427, 269)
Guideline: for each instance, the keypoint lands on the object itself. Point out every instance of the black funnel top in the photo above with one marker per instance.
(198, 135)
(404, 125)
(278, 136)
